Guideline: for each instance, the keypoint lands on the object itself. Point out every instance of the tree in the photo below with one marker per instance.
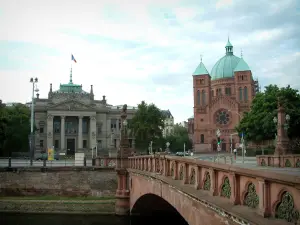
(178, 138)
(146, 125)
(258, 125)
(14, 129)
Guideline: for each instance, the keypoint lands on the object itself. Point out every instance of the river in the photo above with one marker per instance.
(69, 219)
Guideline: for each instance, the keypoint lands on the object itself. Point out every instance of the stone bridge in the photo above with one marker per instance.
(203, 192)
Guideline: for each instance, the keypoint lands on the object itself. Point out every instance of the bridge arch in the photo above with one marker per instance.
(155, 208)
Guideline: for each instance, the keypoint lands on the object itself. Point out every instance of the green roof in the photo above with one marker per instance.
(242, 66)
(224, 67)
(200, 70)
(70, 87)
(228, 44)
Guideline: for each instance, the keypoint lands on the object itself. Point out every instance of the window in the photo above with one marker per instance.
(42, 143)
(227, 91)
(99, 129)
(241, 93)
(203, 98)
(115, 143)
(222, 117)
(198, 97)
(219, 91)
(84, 143)
(245, 94)
(130, 143)
(56, 144)
(113, 123)
(56, 125)
(119, 124)
(85, 126)
(41, 130)
(212, 93)
(99, 144)
(202, 138)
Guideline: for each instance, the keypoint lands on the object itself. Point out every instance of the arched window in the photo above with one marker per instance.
(241, 94)
(198, 97)
(203, 98)
(202, 138)
(245, 94)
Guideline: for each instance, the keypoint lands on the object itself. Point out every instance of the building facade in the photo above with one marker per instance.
(169, 123)
(220, 99)
(71, 120)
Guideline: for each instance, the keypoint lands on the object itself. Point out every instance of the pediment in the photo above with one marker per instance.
(224, 101)
(71, 106)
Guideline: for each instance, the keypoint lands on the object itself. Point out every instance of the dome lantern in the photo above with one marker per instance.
(229, 48)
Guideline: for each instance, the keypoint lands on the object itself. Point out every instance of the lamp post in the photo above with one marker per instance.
(122, 139)
(33, 80)
(218, 134)
(150, 148)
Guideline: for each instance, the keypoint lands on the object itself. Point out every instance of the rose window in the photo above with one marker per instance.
(222, 117)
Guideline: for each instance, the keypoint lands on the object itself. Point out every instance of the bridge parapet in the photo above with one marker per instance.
(270, 193)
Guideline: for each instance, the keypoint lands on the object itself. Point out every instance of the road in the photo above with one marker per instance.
(56, 163)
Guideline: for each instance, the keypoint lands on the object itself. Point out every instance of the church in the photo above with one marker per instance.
(220, 99)
(72, 120)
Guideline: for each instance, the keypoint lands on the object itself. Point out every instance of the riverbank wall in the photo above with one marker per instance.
(105, 207)
(65, 181)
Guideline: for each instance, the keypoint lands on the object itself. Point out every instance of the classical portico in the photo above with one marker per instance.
(71, 120)
(70, 130)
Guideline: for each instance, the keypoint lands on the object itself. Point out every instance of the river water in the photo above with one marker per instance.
(63, 219)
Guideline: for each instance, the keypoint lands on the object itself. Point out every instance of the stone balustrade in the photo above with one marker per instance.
(292, 160)
(268, 193)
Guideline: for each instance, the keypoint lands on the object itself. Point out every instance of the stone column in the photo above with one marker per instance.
(93, 129)
(80, 132)
(62, 133)
(49, 131)
(263, 192)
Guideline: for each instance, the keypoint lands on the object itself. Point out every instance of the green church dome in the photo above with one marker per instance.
(224, 67)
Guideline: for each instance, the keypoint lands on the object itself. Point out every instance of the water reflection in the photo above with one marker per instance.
(63, 219)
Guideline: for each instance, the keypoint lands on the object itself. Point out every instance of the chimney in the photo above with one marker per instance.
(37, 95)
(103, 97)
(50, 87)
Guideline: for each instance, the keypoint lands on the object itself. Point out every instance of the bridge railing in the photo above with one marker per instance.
(271, 193)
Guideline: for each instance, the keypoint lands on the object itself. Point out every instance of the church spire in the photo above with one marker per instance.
(229, 48)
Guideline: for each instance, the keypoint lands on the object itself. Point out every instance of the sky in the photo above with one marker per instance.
(143, 49)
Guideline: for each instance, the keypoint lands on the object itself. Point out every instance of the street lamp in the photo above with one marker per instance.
(33, 80)
(218, 134)
(285, 125)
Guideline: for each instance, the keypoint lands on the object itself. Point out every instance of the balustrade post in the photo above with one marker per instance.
(175, 175)
(235, 188)
(166, 167)
(214, 183)
(185, 171)
(263, 191)
(198, 184)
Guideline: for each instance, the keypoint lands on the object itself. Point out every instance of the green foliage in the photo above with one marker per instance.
(178, 138)
(14, 129)
(258, 123)
(147, 125)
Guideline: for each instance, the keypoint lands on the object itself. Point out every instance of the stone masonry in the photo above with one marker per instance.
(59, 183)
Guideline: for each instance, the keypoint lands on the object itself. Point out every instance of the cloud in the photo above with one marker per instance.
(143, 50)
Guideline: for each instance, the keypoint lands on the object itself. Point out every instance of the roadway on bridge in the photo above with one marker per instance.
(55, 163)
(249, 163)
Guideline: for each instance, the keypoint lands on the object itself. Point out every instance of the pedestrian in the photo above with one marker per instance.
(235, 153)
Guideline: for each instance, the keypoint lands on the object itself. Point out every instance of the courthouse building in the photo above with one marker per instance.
(71, 120)
(220, 99)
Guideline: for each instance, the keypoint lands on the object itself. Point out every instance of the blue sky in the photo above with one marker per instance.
(143, 50)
